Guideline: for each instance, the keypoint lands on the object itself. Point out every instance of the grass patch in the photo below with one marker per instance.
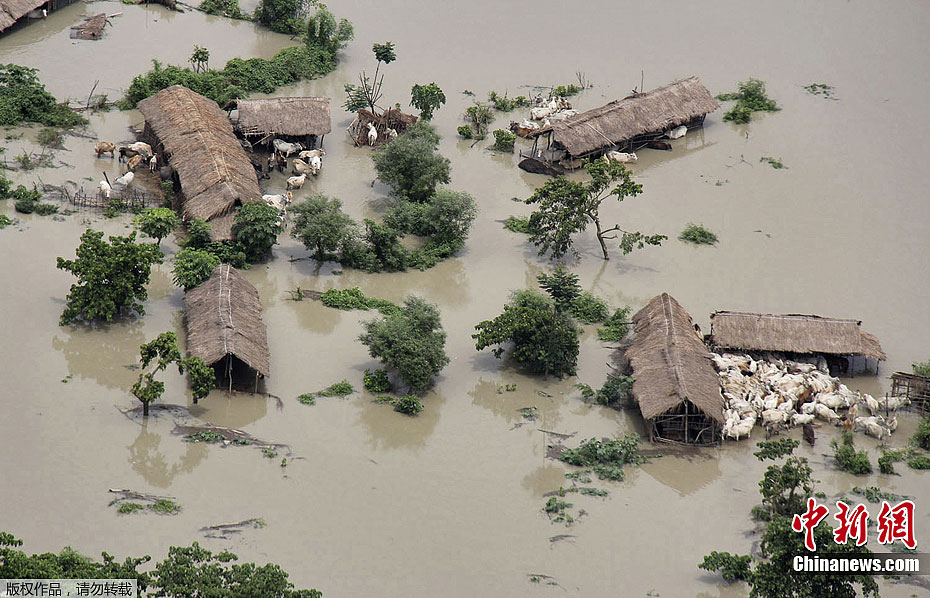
(615, 327)
(776, 164)
(518, 224)
(697, 234)
(307, 399)
(875, 494)
(750, 97)
(354, 298)
(204, 436)
(129, 507)
(848, 459)
(567, 90)
(606, 457)
(921, 462)
(165, 506)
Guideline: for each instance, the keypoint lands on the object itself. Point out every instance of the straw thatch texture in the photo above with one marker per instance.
(792, 333)
(215, 173)
(91, 28)
(619, 121)
(224, 317)
(292, 117)
(670, 363)
(13, 10)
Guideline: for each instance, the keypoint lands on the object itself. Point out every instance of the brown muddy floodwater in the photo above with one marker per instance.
(373, 503)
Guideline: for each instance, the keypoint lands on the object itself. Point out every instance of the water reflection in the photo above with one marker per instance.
(150, 463)
(387, 429)
(685, 474)
(231, 410)
(532, 403)
(544, 478)
(106, 353)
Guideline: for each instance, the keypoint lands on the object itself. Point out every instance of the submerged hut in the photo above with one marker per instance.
(14, 10)
(389, 119)
(193, 135)
(627, 124)
(91, 28)
(846, 347)
(224, 324)
(305, 120)
(675, 384)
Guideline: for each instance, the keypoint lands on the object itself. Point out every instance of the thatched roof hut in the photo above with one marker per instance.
(675, 384)
(793, 333)
(636, 117)
(224, 321)
(13, 10)
(214, 172)
(283, 117)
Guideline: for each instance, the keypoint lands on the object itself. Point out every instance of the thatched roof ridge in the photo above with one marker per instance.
(295, 117)
(216, 174)
(224, 317)
(670, 362)
(794, 333)
(13, 10)
(654, 111)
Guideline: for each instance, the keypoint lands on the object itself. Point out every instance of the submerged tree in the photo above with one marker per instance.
(427, 99)
(567, 207)
(412, 165)
(410, 341)
(193, 266)
(200, 59)
(257, 228)
(321, 225)
(157, 223)
(368, 92)
(159, 354)
(111, 276)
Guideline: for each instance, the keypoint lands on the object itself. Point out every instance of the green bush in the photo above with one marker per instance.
(412, 165)
(193, 267)
(502, 103)
(354, 298)
(750, 98)
(307, 399)
(919, 462)
(408, 405)
(224, 8)
(518, 224)
(921, 436)
(847, 458)
(589, 309)
(157, 223)
(25, 206)
(466, 132)
(697, 234)
(921, 369)
(567, 90)
(257, 228)
(615, 327)
(377, 381)
(5, 221)
(504, 140)
(606, 457)
(339, 389)
(23, 98)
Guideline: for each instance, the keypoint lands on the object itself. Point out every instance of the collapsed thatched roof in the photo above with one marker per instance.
(13, 10)
(792, 333)
(216, 174)
(224, 317)
(294, 117)
(670, 362)
(91, 28)
(654, 111)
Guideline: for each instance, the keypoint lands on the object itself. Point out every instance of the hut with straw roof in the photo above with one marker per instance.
(12, 11)
(305, 120)
(675, 384)
(224, 324)
(192, 134)
(627, 124)
(845, 346)
(391, 118)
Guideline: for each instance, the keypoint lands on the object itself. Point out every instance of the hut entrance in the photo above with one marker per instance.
(684, 424)
(234, 374)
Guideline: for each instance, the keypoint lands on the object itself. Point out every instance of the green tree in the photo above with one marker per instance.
(784, 488)
(325, 36)
(156, 356)
(257, 228)
(111, 276)
(200, 59)
(567, 207)
(193, 266)
(23, 98)
(321, 225)
(544, 339)
(198, 234)
(157, 223)
(922, 369)
(368, 92)
(410, 341)
(283, 16)
(562, 286)
(411, 164)
(427, 99)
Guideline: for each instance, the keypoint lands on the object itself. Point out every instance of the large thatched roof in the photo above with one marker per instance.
(216, 174)
(13, 10)
(293, 117)
(793, 333)
(621, 120)
(670, 362)
(224, 317)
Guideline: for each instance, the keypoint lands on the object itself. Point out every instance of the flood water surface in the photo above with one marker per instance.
(372, 502)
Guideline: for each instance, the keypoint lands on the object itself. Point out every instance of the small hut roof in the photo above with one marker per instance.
(215, 173)
(651, 112)
(794, 333)
(670, 362)
(224, 317)
(13, 10)
(284, 116)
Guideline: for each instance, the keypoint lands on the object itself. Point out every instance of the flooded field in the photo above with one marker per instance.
(372, 502)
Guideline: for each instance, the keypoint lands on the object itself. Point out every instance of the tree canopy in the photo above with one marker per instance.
(111, 276)
(410, 341)
(23, 98)
(567, 207)
(257, 228)
(157, 223)
(411, 164)
(427, 99)
(159, 353)
(321, 225)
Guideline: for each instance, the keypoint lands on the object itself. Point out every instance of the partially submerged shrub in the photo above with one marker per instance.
(567, 90)
(750, 97)
(377, 381)
(774, 163)
(354, 298)
(921, 369)
(5, 221)
(606, 457)
(697, 234)
(589, 309)
(342, 388)
(466, 132)
(193, 266)
(919, 462)
(847, 458)
(518, 224)
(504, 140)
(408, 405)
(165, 506)
(502, 103)
(616, 326)
(921, 436)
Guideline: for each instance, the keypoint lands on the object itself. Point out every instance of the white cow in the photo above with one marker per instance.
(372, 134)
(284, 148)
(677, 132)
(622, 157)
